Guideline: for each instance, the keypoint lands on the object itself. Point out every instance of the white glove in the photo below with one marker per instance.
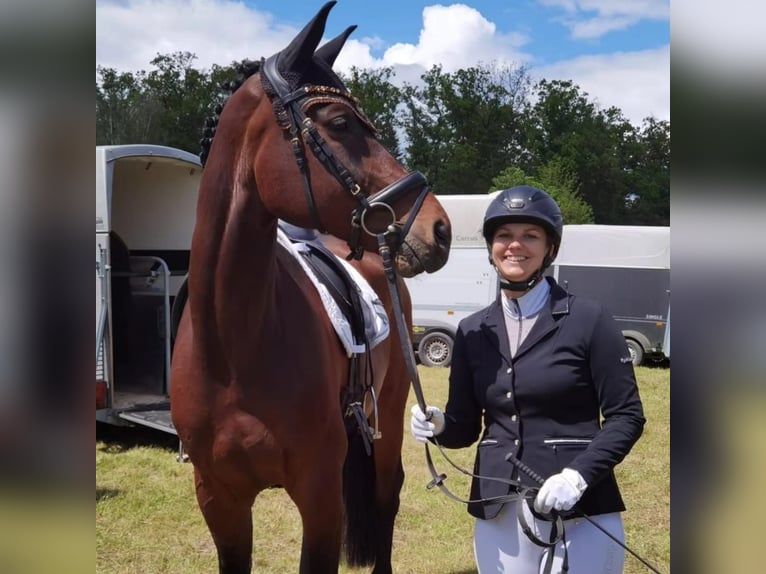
(561, 491)
(423, 429)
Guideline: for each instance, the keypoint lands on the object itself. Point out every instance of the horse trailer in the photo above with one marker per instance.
(627, 268)
(146, 197)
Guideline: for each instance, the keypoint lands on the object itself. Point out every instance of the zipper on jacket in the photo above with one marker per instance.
(557, 441)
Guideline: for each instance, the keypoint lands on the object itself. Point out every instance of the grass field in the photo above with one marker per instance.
(147, 520)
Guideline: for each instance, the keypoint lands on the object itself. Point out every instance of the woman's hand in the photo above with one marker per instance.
(560, 492)
(424, 427)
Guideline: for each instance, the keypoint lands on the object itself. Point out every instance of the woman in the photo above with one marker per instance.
(540, 368)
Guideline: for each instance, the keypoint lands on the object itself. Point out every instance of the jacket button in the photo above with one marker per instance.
(509, 370)
(516, 442)
(508, 395)
(514, 418)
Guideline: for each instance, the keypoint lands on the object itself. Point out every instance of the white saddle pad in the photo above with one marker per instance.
(375, 317)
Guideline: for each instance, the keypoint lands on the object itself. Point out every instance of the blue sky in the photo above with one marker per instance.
(618, 51)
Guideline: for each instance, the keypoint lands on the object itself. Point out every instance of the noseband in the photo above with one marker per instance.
(289, 106)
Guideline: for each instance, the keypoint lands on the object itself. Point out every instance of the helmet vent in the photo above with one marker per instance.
(514, 203)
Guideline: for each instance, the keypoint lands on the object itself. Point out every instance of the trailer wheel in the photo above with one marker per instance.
(636, 352)
(435, 349)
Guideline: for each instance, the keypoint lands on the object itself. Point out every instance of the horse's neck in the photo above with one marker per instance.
(236, 247)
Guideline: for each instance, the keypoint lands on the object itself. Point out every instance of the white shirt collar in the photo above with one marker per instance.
(530, 303)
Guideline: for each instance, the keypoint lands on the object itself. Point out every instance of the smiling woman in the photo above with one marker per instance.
(539, 377)
(518, 249)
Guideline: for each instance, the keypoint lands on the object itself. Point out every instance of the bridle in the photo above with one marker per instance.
(290, 108)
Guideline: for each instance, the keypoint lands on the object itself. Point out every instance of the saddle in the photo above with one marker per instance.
(335, 277)
(356, 313)
(331, 273)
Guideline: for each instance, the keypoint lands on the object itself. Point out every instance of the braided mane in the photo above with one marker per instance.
(244, 70)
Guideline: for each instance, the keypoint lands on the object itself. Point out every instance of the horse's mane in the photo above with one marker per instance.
(244, 70)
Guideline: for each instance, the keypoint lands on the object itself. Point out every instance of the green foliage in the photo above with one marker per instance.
(461, 129)
(648, 175)
(167, 105)
(379, 99)
(555, 179)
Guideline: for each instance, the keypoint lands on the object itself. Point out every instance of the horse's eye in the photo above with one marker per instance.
(339, 123)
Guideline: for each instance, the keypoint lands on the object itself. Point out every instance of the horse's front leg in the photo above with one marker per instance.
(230, 523)
(315, 484)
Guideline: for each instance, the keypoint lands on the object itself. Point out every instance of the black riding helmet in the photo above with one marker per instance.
(524, 204)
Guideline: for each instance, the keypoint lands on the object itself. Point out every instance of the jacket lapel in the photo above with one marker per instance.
(493, 327)
(493, 323)
(547, 321)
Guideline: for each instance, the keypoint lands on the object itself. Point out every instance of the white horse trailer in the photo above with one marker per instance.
(625, 267)
(146, 198)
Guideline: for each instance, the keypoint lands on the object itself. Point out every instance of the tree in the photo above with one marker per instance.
(589, 142)
(463, 127)
(125, 110)
(648, 175)
(558, 182)
(459, 128)
(167, 105)
(380, 99)
(185, 96)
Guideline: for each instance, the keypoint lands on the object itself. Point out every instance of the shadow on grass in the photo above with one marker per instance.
(119, 439)
(106, 493)
(657, 364)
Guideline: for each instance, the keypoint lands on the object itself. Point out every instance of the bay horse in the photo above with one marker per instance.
(259, 377)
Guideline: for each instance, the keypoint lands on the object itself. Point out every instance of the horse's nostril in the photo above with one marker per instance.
(442, 233)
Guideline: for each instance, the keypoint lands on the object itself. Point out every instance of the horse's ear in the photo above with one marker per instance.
(298, 55)
(331, 49)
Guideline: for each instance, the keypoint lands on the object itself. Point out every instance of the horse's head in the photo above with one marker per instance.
(321, 164)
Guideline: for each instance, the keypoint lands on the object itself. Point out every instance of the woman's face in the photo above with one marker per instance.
(518, 250)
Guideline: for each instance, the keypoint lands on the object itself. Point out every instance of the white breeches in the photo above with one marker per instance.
(501, 547)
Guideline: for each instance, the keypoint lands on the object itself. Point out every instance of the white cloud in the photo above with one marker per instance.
(457, 36)
(639, 9)
(638, 83)
(597, 27)
(587, 19)
(129, 34)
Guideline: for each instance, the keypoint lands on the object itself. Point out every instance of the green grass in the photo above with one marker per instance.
(147, 520)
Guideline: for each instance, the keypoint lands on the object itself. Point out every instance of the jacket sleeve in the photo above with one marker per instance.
(462, 413)
(619, 402)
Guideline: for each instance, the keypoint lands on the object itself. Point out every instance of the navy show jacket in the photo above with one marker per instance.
(568, 398)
